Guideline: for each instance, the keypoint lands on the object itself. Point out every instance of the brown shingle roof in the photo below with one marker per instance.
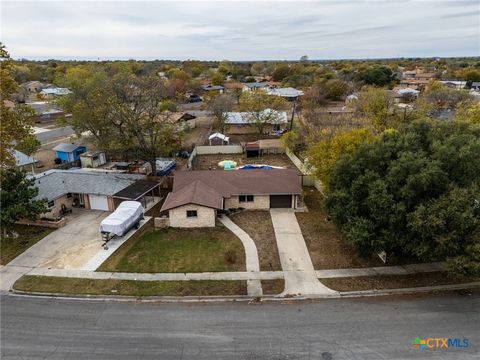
(209, 187)
(196, 192)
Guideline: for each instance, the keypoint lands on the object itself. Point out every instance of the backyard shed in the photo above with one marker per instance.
(69, 152)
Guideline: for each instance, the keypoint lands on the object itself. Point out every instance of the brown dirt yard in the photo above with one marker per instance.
(258, 224)
(206, 162)
(328, 249)
(393, 281)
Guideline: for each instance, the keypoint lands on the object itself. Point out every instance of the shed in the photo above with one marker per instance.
(69, 152)
(24, 162)
(93, 159)
(218, 139)
(252, 149)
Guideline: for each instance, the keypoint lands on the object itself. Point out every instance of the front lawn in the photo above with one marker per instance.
(179, 250)
(72, 286)
(258, 224)
(328, 249)
(11, 247)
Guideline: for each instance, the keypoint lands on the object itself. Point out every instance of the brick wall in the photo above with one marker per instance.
(205, 216)
(259, 202)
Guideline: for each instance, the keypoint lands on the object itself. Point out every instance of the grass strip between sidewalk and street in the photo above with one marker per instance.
(273, 287)
(382, 282)
(76, 286)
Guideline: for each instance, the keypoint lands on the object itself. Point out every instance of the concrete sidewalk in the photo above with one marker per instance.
(300, 276)
(251, 255)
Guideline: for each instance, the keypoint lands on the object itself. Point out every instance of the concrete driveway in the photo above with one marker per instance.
(300, 276)
(69, 247)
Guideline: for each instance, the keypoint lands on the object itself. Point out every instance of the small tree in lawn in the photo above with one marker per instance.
(261, 109)
(219, 107)
(18, 194)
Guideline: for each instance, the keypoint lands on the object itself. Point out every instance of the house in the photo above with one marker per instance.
(44, 111)
(54, 92)
(24, 162)
(69, 152)
(288, 93)
(253, 86)
(79, 188)
(455, 84)
(218, 139)
(278, 119)
(475, 86)
(93, 159)
(217, 88)
(197, 196)
(34, 86)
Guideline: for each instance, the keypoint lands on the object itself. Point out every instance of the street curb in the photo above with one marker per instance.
(246, 298)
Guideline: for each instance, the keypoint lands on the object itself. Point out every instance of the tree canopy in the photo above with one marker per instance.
(413, 193)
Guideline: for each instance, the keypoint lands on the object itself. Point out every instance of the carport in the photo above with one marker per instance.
(145, 191)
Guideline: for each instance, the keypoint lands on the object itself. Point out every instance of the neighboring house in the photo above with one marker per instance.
(456, 84)
(54, 92)
(253, 86)
(44, 111)
(24, 162)
(425, 76)
(93, 159)
(87, 189)
(34, 86)
(475, 86)
(198, 195)
(69, 152)
(218, 139)
(217, 88)
(278, 122)
(288, 93)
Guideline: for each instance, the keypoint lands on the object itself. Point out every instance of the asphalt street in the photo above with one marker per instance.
(367, 328)
(44, 137)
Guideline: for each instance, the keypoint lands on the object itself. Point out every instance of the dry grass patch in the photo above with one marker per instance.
(70, 286)
(180, 250)
(258, 224)
(11, 247)
(393, 281)
(328, 249)
(273, 287)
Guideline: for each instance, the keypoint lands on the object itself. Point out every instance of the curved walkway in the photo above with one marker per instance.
(251, 255)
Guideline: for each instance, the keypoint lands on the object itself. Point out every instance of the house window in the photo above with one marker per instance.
(51, 204)
(191, 213)
(245, 198)
(69, 195)
(276, 127)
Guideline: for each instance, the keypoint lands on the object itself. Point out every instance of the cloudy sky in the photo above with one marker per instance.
(240, 30)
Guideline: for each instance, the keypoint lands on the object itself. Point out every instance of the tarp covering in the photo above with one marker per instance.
(123, 218)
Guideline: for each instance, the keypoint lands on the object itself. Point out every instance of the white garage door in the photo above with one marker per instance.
(98, 202)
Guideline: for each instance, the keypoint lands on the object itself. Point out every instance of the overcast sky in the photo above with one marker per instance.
(240, 30)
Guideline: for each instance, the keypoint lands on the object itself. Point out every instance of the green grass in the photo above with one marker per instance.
(180, 250)
(70, 286)
(10, 248)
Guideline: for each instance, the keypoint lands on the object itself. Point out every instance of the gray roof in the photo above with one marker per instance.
(42, 107)
(67, 147)
(241, 118)
(23, 159)
(55, 183)
(256, 84)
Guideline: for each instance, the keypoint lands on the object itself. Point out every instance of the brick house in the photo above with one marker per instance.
(197, 196)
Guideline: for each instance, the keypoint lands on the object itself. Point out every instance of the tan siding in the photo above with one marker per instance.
(205, 216)
(259, 202)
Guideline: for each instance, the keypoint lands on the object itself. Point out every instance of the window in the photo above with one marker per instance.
(51, 204)
(69, 195)
(245, 198)
(191, 213)
(275, 127)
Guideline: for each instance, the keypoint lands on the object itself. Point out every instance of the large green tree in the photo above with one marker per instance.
(17, 194)
(393, 194)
